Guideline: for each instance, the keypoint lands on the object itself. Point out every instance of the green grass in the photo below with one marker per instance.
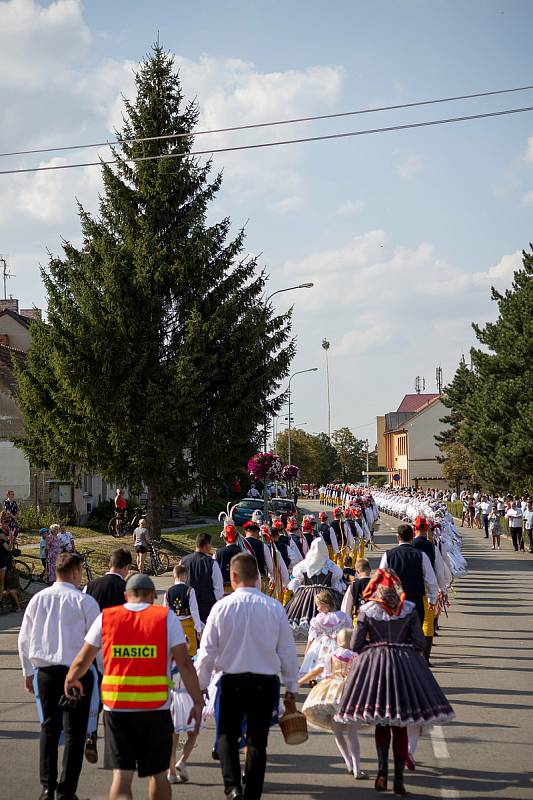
(32, 537)
(175, 544)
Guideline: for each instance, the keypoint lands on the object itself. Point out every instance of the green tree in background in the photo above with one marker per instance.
(325, 459)
(158, 358)
(351, 454)
(457, 465)
(499, 412)
(455, 398)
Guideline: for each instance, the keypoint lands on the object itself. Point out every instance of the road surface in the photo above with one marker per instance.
(483, 660)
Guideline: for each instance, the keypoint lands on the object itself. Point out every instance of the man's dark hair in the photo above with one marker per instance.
(67, 563)
(202, 540)
(405, 533)
(120, 558)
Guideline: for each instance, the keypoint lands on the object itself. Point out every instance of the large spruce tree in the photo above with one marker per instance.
(158, 360)
(499, 412)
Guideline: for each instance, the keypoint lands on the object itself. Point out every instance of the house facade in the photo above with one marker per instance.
(406, 442)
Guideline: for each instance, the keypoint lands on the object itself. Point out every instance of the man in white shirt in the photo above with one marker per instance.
(248, 638)
(515, 516)
(52, 632)
(138, 726)
(528, 524)
(486, 508)
(253, 492)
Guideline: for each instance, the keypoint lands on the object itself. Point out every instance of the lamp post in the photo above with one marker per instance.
(325, 347)
(268, 299)
(300, 372)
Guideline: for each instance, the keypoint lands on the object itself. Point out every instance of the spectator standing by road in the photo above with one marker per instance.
(53, 550)
(141, 540)
(66, 539)
(528, 524)
(205, 576)
(52, 632)
(249, 639)
(495, 529)
(515, 517)
(486, 508)
(138, 641)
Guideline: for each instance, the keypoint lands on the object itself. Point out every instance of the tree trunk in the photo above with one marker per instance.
(154, 510)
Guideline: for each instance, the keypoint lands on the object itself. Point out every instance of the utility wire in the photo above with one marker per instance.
(266, 124)
(262, 145)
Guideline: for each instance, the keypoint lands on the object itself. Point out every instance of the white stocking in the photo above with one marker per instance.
(339, 731)
(413, 735)
(353, 746)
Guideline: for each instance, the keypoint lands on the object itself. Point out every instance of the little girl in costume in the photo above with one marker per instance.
(323, 702)
(323, 630)
(180, 707)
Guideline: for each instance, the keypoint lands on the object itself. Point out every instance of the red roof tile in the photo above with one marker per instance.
(412, 403)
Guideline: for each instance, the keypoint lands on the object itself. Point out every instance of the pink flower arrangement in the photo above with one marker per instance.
(265, 466)
(290, 472)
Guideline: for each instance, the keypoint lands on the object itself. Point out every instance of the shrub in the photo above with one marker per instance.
(31, 518)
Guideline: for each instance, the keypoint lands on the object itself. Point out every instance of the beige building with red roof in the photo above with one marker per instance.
(406, 442)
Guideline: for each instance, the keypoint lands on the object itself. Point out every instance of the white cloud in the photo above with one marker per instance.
(529, 151)
(287, 204)
(371, 332)
(350, 208)
(527, 199)
(409, 166)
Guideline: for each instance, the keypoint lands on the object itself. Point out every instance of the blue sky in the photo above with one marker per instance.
(402, 233)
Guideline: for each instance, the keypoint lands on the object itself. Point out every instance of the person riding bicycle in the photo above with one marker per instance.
(120, 508)
(141, 540)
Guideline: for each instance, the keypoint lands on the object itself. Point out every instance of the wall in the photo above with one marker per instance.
(14, 472)
(380, 438)
(423, 451)
(19, 335)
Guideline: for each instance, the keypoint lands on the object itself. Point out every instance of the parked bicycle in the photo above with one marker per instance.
(26, 571)
(120, 526)
(85, 564)
(159, 561)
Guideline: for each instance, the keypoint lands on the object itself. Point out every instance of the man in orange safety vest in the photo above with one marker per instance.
(138, 642)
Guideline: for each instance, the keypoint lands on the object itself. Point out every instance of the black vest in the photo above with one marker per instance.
(282, 549)
(200, 567)
(339, 533)
(178, 599)
(353, 528)
(108, 591)
(224, 556)
(259, 553)
(407, 564)
(295, 537)
(309, 538)
(323, 530)
(357, 588)
(425, 546)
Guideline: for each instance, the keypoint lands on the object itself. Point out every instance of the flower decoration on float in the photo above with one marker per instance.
(290, 472)
(265, 466)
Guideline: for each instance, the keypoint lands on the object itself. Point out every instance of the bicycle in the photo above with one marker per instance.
(26, 572)
(159, 562)
(119, 527)
(86, 565)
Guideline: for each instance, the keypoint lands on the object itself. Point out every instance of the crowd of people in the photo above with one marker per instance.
(226, 633)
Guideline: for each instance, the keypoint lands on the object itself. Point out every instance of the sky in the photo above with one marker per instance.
(402, 233)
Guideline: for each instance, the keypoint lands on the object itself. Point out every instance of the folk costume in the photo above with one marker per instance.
(279, 579)
(390, 685)
(328, 534)
(181, 599)
(337, 526)
(309, 577)
(322, 638)
(224, 554)
(261, 553)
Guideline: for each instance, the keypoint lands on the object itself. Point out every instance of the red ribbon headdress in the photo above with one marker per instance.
(385, 588)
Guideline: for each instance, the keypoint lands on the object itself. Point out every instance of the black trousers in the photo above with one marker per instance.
(529, 532)
(518, 538)
(486, 525)
(74, 720)
(254, 697)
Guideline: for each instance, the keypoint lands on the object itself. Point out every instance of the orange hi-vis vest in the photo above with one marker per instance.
(134, 647)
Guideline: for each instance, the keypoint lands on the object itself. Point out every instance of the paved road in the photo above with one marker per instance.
(483, 660)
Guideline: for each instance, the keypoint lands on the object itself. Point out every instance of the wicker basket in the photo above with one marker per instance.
(293, 724)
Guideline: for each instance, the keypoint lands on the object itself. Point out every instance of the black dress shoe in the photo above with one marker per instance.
(235, 794)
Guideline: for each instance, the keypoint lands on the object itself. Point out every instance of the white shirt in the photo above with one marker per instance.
(253, 492)
(514, 515)
(218, 580)
(66, 541)
(430, 578)
(486, 507)
(247, 631)
(175, 636)
(54, 626)
(337, 582)
(193, 606)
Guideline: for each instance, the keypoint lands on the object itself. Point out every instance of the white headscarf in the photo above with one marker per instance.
(316, 557)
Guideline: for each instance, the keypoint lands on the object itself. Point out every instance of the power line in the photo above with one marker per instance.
(266, 124)
(263, 145)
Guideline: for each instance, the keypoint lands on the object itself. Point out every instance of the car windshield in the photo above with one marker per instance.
(288, 504)
(250, 504)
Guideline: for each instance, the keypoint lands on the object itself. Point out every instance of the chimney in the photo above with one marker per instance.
(4, 339)
(9, 305)
(31, 313)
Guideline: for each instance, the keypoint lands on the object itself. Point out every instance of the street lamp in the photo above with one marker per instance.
(300, 372)
(325, 347)
(289, 289)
